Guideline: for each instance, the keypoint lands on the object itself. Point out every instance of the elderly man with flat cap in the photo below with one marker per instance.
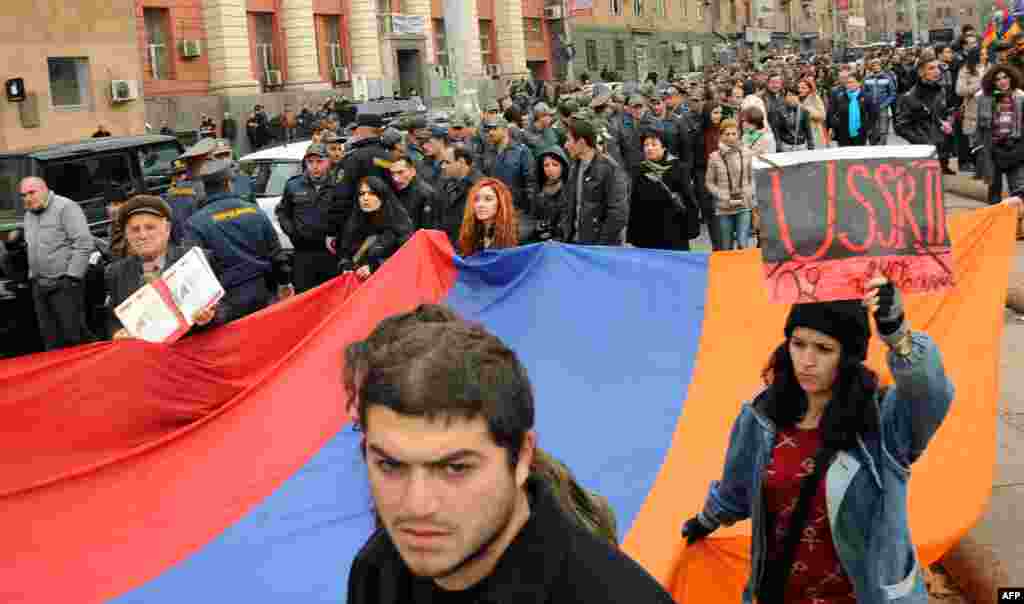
(145, 221)
(244, 240)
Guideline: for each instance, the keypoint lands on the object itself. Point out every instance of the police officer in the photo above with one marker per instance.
(366, 156)
(303, 216)
(241, 184)
(430, 170)
(242, 237)
(335, 153)
(187, 192)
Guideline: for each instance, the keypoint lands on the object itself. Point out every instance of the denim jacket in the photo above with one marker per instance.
(866, 488)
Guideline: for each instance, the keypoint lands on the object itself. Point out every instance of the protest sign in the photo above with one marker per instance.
(831, 219)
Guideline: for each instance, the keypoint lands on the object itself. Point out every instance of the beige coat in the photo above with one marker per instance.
(717, 179)
(815, 109)
(967, 86)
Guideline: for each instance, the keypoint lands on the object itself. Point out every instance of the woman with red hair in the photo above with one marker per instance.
(489, 221)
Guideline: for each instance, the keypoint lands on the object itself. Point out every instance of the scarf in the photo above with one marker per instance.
(751, 136)
(658, 168)
(854, 112)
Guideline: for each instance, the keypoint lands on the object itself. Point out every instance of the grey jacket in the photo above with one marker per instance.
(58, 238)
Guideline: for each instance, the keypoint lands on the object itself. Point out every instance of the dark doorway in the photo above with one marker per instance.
(409, 70)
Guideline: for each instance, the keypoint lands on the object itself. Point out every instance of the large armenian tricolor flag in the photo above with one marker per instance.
(223, 468)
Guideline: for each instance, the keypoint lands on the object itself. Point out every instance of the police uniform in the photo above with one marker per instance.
(241, 184)
(187, 193)
(366, 157)
(303, 216)
(244, 240)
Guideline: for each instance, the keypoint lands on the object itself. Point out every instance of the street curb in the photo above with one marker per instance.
(976, 569)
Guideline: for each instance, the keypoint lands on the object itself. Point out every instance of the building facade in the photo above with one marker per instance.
(631, 38)
(939, 21)
(79, 68)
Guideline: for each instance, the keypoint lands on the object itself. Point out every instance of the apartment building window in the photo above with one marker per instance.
(69, 82)
(591, 54)
(615, 7)
(700, 10)
(683, 8)
(486, 43)
(263, 34)
(620, 55)
(638, 8)
(659, 8)
(334, 51)
(532, 31)
(157, 42)
(440, 43)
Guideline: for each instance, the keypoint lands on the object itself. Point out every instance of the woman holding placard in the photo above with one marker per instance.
(820, 459)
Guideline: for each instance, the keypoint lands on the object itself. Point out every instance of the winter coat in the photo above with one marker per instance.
(418, 198)
(58, 239)
(303, 212)
(514, 166)
(765, 144)
(967, 86)
(655, 220)
(548, 206)
(794, 127)
(839, 118)
(390, 226)
(602, 211)
(815, 108)
(880, 88)
(451, 204)
(919, 114)
(986, 114)
(739, 173)
(366, 157)
(628, 147)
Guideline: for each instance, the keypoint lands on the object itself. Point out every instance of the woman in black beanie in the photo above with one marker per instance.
(820, 459)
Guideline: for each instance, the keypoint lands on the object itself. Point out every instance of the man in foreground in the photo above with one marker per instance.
(447, 413)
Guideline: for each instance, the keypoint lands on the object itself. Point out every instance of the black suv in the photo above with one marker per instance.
(83, 172)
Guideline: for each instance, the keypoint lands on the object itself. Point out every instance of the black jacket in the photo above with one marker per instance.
(124, 278)
(549, 205)
(627, 146)
(839, 118)
(366, 157)
(551, 560)
(303, 212)
(794, 127)
(418, 199)
(451, 204)
(390, 227)
(654, 219)
(603, 207)
(229, 129)
(919, 114)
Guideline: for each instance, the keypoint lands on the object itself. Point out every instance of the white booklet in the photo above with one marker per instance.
(163, 311)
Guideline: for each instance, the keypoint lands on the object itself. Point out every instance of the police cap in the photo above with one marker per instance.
(204, 147)
(215, 171)
(317, 149)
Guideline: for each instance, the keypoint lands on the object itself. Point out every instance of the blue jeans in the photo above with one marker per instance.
(734, 228)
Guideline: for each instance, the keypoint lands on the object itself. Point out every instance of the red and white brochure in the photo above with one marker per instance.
(163, 311)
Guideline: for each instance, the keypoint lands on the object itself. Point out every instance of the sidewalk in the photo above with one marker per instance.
(991, 555)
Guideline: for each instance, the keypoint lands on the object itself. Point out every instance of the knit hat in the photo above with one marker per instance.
(844, 320)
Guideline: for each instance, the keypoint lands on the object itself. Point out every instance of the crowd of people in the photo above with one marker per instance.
(650, 165)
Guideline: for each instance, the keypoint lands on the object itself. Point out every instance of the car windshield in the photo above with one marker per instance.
(269, 177)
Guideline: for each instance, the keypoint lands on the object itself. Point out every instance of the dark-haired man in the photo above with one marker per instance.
(597, 190)
(416, 195)
(463, 517)
(922, 116)
(460, 174)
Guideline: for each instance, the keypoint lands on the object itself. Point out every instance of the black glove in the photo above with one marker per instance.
(694, 530)
(889, 314)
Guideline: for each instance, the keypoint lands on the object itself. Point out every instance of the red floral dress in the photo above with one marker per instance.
(817, 576)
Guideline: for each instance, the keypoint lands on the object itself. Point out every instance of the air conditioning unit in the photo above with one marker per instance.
(124, 90)
(679, 47)
(552, 12)
(494, 69)
(191, 49)
(341, 74)
(272, 77)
